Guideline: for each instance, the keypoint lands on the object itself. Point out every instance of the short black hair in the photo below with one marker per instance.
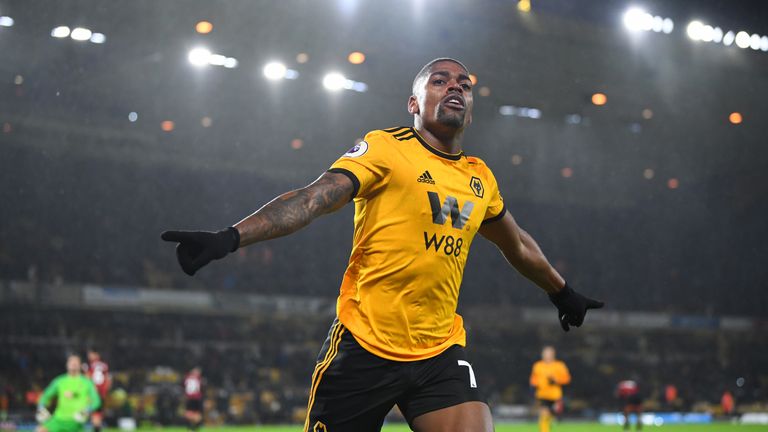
(427, 67)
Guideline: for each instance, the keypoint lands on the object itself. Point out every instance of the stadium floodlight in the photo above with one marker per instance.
(728, 38)
(717, 35)
(636, 19)
(98, 38)
(695, 30)
(742, 39)
(231, 63)
(6, 21)
(667, 26)
(334, 81)
(60, 32)
(754, 42)
(274, 71)
(217, 60)
(199, 57)
(81, 34)
(764, 43)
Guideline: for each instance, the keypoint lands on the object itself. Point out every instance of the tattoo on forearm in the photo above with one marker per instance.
(295, 209)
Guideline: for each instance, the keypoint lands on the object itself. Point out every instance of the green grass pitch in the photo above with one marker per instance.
(523, 427)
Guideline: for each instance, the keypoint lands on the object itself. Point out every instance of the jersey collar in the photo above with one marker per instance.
(449, 156)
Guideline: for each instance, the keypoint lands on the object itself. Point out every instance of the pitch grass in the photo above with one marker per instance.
(522, 427)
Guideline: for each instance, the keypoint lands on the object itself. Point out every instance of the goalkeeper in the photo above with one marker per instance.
(76, 397)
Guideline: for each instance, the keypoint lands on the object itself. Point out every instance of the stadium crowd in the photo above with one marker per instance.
(115, 213)
(256, 369)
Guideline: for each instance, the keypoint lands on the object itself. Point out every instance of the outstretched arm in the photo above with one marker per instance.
(526, 256)
(294, 210)
(283, 215)
(523, 253)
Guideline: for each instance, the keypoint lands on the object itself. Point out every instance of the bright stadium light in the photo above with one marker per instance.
(60, 32)
(717, 35)
(334, 81)
(667, 26)
(636, 19)
(695, 30)
(217, 60)
(199, 56)
(98, 38)
(231, 63)
(275, 71)
(6, 21)
(699, 31)
(81, 34)
(742, 39)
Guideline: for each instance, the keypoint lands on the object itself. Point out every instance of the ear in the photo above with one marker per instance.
(413, 105)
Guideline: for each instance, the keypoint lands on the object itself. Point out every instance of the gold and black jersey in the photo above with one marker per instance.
(417, 210)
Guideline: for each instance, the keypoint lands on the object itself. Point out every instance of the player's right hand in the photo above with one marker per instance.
(42, 414)
(197, 248)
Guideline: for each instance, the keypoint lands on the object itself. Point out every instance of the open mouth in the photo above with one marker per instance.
(454, 101)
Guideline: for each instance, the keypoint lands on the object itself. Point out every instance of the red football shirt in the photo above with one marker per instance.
(98, 372)
(193, 387)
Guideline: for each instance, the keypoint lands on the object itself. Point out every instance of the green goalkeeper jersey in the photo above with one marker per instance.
(74, 394)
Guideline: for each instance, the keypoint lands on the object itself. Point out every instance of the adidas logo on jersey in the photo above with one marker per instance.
(426, 178)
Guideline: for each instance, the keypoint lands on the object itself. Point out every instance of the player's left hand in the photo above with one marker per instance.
(572, 307)
(81, 416)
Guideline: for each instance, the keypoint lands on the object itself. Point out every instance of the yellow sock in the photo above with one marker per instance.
(544, 421)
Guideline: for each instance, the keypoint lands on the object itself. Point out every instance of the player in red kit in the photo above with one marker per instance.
(628, 393)
(98, 372)
(193, 390)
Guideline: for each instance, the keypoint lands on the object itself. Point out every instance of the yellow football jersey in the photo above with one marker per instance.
(417, 210)
(548, 378)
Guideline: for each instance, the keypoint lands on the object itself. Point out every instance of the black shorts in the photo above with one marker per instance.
(353, 390)
(548, 403)
(631, 401)
(195, 405)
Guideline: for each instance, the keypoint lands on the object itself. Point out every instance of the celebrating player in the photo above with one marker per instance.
(419, 201)
(628, 393)
(76, 397)
(98, 371)
(193, 390)
(548, 376)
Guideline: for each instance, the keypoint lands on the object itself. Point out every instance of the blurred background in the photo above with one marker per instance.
(628, 137)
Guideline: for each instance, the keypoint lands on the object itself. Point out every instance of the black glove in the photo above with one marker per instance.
(197, 248)
(572, 307)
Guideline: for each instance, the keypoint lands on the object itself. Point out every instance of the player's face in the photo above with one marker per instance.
(93, 356)
(548, 354)
(444, 98)
(73, 364)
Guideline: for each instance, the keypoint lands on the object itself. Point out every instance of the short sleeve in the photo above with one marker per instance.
(496, 208)
(367, 164)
